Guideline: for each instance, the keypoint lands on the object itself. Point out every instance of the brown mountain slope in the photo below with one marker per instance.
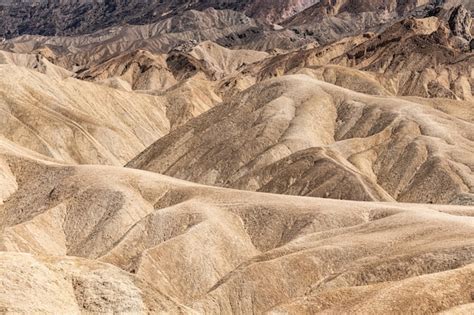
(35, 62)
(75, 121)
(386, 147)
(143, 70)
(72, 17)
(276, 11)
(216, 250)
(229, 28)
(373, 298)
(330, 8)
(418, 54)
(138, 70)
(327, 20)
(413, 57)
(189, 78)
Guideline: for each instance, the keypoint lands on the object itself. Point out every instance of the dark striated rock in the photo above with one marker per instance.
(58, 17)
(68, 17)
(460, 22)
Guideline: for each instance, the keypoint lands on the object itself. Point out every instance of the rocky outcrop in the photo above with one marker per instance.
(296, 135)
(276, 11)
(460, 22)
(413, 56)
(65, 17)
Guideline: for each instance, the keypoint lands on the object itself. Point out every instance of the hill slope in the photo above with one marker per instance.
(365, 103)
(301, 136)
(76, 121)
(169, 243)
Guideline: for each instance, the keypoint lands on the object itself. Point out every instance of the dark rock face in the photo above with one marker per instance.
(75, 17)
(59, 17)
(460, 22)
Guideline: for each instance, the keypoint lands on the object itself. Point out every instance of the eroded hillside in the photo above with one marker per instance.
(237, 157)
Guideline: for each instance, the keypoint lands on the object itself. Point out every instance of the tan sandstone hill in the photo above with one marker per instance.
(145, 71)
(76, 121)
(297, 135)
(322, 165)
(103, 239)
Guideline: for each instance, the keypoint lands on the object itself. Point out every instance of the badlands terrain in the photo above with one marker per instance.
(237, 157)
